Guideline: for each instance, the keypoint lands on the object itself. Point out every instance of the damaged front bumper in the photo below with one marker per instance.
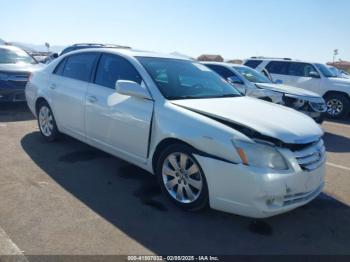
(260, 193)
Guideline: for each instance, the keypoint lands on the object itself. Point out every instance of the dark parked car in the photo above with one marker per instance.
(16, 66)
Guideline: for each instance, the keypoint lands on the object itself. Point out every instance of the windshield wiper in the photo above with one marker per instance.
(223, 96)
(201, 97)
(182, 97)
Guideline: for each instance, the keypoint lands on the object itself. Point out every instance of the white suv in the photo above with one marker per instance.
(253, 83)
(315, 77)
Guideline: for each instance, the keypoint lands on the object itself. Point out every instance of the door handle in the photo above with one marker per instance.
(92, 99)
(53, 86)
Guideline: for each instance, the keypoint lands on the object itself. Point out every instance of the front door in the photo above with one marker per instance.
(118, 123)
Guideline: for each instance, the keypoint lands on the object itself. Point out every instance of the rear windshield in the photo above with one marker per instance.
(253, 63)
(15, 56)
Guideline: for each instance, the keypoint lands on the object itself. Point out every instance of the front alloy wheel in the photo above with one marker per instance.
(334, 107)
(337, 106)
(181, 178)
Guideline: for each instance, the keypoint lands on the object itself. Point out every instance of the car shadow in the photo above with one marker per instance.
(130, 199)
(12, 112)
(336, 143)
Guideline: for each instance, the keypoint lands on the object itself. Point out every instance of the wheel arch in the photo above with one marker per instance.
(328, 93)
(38, 101)
(164, 144)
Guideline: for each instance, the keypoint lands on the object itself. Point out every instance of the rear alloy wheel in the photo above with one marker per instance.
(46, 122)
(337, 106)
(181, 178)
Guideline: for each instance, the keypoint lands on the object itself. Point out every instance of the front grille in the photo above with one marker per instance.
(301, 197)
(312, 156)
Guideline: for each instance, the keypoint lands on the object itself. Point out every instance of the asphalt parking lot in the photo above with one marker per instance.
(67, 198)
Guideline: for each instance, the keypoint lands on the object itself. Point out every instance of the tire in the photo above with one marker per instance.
(183, 182)
(338, 106)
(46, 122)
(319, 120)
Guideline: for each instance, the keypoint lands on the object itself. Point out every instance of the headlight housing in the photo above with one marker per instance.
(319, 106)
(293, 101)
(260, 154)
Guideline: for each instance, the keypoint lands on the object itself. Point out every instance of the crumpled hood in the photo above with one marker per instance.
(266, 118)
(288, 89)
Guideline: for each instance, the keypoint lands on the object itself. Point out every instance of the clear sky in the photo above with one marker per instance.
(303, 29)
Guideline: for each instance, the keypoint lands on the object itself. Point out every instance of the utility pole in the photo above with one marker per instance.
(336, 52)
(48, 47)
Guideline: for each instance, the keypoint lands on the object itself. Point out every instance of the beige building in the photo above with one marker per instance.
(344, 65)
(213, 58)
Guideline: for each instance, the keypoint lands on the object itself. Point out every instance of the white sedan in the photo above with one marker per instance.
(180, 121)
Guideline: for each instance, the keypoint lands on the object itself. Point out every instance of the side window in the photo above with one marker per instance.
(253, 63)
(59, 68)
(80, 66)
(162, 76)
(113, 68)
(301, 69)
(277, 67)
(222, 71)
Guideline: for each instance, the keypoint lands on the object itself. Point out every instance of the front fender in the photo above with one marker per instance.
(204, 134)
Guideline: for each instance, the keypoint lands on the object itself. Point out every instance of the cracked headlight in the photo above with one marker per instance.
(260, 155)
(293, 101)
(319, 106)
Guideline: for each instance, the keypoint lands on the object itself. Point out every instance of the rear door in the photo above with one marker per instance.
(68, 86)
(117, 123)
(295, 74)
(305, 76)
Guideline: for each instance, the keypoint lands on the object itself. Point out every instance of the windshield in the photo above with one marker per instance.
(15, 56)
(334, 71)
(182, 79)
(252, 75)
(325, 71)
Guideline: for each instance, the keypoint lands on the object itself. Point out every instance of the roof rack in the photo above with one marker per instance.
(277, 58)
(102, 45)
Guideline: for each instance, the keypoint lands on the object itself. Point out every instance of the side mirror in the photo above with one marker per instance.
(235, 80)
(130, 88)
(54, 55)
(314, 74)
(278, 81)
